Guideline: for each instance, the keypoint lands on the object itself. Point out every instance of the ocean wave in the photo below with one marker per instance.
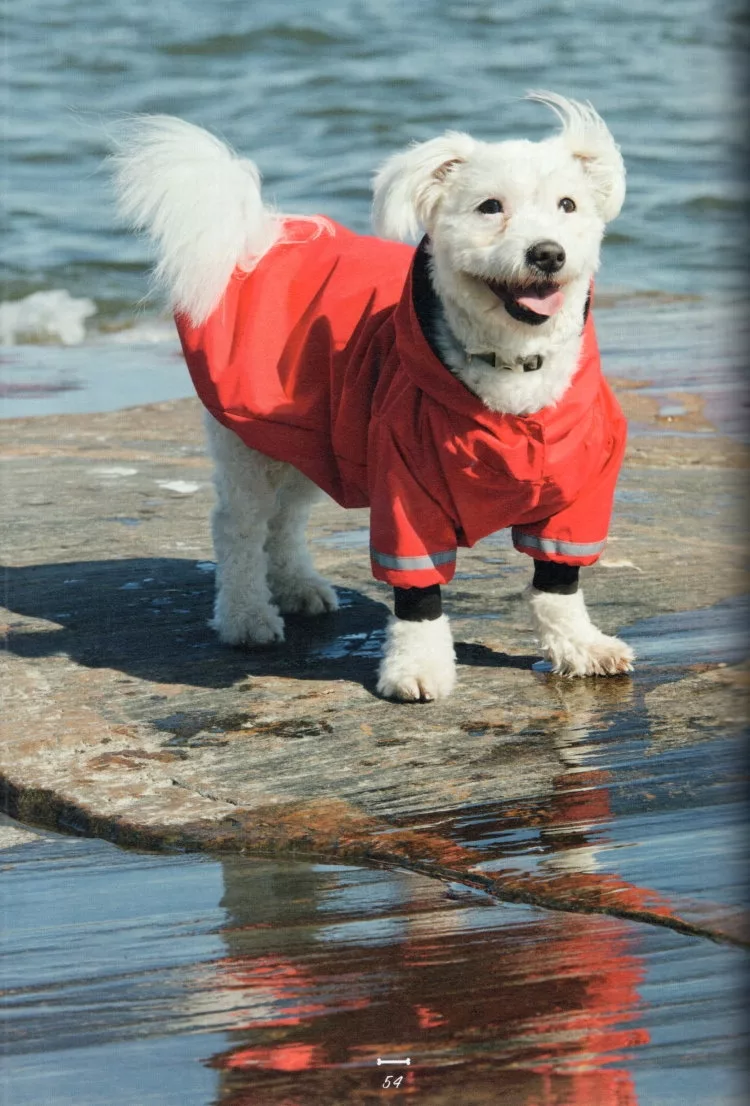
(52, 316)
(258, 39)
(55, 317)
(146, 331)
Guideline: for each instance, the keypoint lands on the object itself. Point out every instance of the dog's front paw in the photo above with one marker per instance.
(419, 663)
(571, 642)
(600, 656)
(258, 625)
(309, 595)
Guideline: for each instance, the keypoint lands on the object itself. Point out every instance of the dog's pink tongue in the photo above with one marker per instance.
(542, 305)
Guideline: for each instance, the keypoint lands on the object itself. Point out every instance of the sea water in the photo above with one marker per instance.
(319, 95)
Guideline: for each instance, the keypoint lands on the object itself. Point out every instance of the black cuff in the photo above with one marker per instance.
(418, 604)
(550, 576)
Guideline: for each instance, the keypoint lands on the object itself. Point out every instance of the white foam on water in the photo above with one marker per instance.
(55, 317)
(45, 316)
(150, 332)
(183, 487)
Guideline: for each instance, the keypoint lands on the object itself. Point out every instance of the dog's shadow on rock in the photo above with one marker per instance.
(148, 618)
(471, 653)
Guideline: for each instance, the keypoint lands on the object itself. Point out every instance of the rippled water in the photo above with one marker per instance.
(183, 981)
(320, 95)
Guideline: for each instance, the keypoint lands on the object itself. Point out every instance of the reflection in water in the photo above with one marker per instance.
(284, 982)
(500, 1003)
(492, 1003)
(541, 1007)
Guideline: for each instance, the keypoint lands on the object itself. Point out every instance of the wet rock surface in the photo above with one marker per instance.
(125, 718)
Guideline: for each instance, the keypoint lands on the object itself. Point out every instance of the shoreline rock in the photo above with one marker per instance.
(126, 719)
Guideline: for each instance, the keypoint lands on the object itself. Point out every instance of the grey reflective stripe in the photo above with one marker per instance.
(409, 564)
(564, 548)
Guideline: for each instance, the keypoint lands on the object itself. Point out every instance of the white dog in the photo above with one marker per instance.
(456, 389)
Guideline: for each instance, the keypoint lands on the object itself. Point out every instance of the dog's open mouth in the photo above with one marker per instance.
(529, 303)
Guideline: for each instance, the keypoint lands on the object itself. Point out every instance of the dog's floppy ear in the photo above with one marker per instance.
(587, 137)
(408, 186)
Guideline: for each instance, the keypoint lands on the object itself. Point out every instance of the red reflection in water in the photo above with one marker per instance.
(540, 1012)
(293, 1057)
(278, 989)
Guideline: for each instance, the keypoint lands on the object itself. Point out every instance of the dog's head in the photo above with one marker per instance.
(515, 226)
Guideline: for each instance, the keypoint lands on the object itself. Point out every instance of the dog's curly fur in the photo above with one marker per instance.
(202, 206)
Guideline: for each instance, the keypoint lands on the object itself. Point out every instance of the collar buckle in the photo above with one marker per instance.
(520, 365)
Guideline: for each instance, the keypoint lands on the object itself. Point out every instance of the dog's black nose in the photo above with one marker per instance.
(547, 255)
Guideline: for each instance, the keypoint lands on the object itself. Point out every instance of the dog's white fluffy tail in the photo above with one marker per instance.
(198, 201)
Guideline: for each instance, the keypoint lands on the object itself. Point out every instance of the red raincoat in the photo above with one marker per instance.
(317, 357)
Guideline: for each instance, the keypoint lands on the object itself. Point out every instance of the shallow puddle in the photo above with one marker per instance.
(187, 980)
(649, 804)
(712, 635)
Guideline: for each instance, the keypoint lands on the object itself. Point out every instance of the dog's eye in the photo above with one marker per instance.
(567, 205)
(490, 207)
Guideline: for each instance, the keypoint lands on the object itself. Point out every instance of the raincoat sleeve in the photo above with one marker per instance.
(412, 540)
(577, 534)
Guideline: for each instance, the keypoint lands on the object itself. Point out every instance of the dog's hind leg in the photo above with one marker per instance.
(294, 583)
(246, 494)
